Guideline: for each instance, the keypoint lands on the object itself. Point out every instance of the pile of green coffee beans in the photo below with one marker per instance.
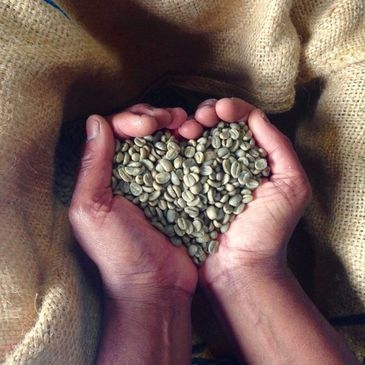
(191, 190)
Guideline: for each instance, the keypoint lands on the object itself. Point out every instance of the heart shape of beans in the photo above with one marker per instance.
(191, 190)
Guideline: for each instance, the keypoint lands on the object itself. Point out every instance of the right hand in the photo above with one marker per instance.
(136, 262)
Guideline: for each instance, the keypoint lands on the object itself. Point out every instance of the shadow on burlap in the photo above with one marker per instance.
(103, 56)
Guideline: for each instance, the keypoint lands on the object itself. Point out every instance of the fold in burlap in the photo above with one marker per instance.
(95, 56)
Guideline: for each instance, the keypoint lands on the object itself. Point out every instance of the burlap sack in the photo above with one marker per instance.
(61, 61)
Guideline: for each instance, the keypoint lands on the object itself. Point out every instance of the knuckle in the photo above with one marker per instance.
(100, 203)
(77, 214)
(87, 161)
(93, 211)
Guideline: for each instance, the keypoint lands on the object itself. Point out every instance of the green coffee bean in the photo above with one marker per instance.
(206, 170)
(211, 212)
(252, 184)
(239, 209)
(135, 189)
(188, 196)
(189, 180)
(172, 154)
(176, 241)
(175, 183)
(189, 151)
(154, 195)
(166, 164)
(261, 164)
(235, 201)
(163, 178)
(223, 152)
(171, 215)
(192, 250)
(212, 247)
(246, 198)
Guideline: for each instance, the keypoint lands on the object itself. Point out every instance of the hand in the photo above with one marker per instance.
(134, 259)
(260, 303)
(148, 283)
(256, 240)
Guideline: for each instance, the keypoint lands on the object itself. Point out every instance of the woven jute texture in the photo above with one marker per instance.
(62, 60)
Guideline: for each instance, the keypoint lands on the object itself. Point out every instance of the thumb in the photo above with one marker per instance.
(93, 188)
(281, 154)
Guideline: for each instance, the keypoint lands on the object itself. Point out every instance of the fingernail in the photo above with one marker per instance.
(209, 102)
(148, 106)
(92, 127)
(150, 111)
(244, 119)
(264, 116)
(153, 112)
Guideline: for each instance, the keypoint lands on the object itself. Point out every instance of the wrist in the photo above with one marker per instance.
(157, 324)
(150, 327)
(146, 312)
(147, 296)
(231, 279)
(154, 287)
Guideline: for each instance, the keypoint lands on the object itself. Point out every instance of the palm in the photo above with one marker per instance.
(263, 220)
(135, 246)
(262, 230)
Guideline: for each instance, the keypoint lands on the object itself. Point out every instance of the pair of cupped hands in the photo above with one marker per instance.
(138, 262)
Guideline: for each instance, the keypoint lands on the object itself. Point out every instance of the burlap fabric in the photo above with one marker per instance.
(61, 61)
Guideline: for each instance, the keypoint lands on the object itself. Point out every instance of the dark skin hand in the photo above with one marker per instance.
(148, 283)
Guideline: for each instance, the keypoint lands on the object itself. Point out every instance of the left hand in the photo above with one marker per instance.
(256, 241)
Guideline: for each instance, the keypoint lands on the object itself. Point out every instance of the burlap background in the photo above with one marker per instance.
(60, 62)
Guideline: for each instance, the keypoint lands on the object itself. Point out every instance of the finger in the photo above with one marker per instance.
(191, 129)
(206, 113)
(233, 109)
(178, 117)
(162, 116)
(281, 155)
(139, 121)
(93, 181)
(175, 133)
(127, 124)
